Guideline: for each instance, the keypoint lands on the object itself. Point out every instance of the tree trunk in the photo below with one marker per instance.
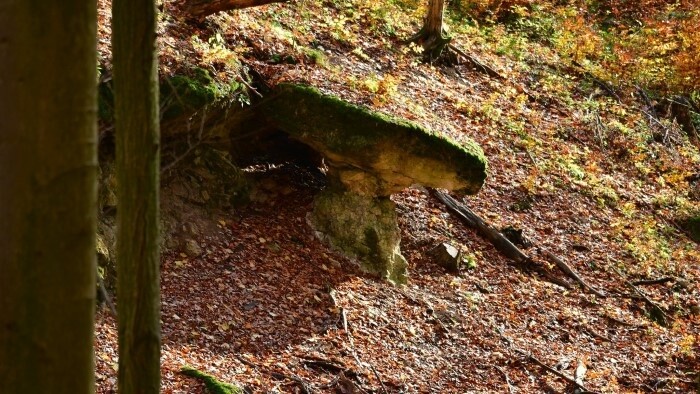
(48, 195)
(433, 36)
(201, 8)
(138, 152)
(434, 21)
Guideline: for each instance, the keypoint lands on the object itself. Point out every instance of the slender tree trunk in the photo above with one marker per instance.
(433, 36)
(434, 24)
(138, 152)
(48, 195)
(201, 8)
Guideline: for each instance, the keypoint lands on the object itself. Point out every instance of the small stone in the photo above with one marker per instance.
(447, 256)
(192, 248)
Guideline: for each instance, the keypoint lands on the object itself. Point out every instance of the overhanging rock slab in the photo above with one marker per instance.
(372, 153)
(369, 156)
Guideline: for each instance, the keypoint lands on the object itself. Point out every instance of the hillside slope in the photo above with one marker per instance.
(588, 176)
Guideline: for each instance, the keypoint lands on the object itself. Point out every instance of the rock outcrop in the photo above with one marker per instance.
(369, 157)
(371, 153)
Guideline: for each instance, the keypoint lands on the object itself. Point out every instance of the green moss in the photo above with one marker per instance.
(214, 385)
(363, 137)
(179, 94)
(188, 93)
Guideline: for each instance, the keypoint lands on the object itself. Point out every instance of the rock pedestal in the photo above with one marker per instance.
(369, 157)
(362, 228)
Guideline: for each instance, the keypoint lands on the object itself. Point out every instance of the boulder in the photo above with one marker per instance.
(369, 157)
(448, 256)
(362, 228)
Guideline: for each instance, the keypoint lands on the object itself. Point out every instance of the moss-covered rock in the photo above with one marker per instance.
(214, 385)
(372, 153)
(363, 228)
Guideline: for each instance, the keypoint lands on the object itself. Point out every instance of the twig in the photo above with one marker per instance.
(596, 335)
(190, 146)
(305, 388)
(620, 322)
(354, 354)
(664, 316)
(570, 272)
(659, 281)
(529, 357)
(105, 295)
(476, 62)
(505, 375)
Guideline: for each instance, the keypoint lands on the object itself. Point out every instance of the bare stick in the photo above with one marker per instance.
(665, 317)
(570, 272)
(658, 281)
(354, 354)
(476, 62)
(473, 220)
(529, 357)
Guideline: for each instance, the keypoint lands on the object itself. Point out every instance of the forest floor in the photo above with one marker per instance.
(268, 307)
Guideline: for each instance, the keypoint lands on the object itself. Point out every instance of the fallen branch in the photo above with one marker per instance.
(529, 357)
(664, 317)
(570, 272)
(503, 244)
(473, 220)
(476, 62)
(305, 387)
(659, 281)
(505, 375)
(201, 8)
(354, 354)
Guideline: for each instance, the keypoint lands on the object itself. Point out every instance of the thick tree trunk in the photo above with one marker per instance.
(138, 152)
(48, 195)
(202, 8)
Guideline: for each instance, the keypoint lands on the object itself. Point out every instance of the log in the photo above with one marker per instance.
(473, 220)
(202, 8)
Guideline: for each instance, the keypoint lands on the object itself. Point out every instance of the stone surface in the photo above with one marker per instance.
(363, 228)
(192, 248)
(371, 153)
(447, 256)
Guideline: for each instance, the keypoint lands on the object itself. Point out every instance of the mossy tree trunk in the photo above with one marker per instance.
(48, 196)
(433, 36)
(138, 152)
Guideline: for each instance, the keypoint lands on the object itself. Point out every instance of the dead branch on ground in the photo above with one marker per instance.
(502, 243)
(199, 9)
(659, 281)
(570, 271)
(664, 318)
(474, 61)
(529, 357)
(351, 341)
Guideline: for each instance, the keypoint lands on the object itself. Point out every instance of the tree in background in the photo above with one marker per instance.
(135, 72)
(433, 36)
(48, 195)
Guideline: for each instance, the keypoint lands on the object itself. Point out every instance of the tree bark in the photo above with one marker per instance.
(434, 22)
(135, 76)
(48, 195)
(201, 8)
(433, 36)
